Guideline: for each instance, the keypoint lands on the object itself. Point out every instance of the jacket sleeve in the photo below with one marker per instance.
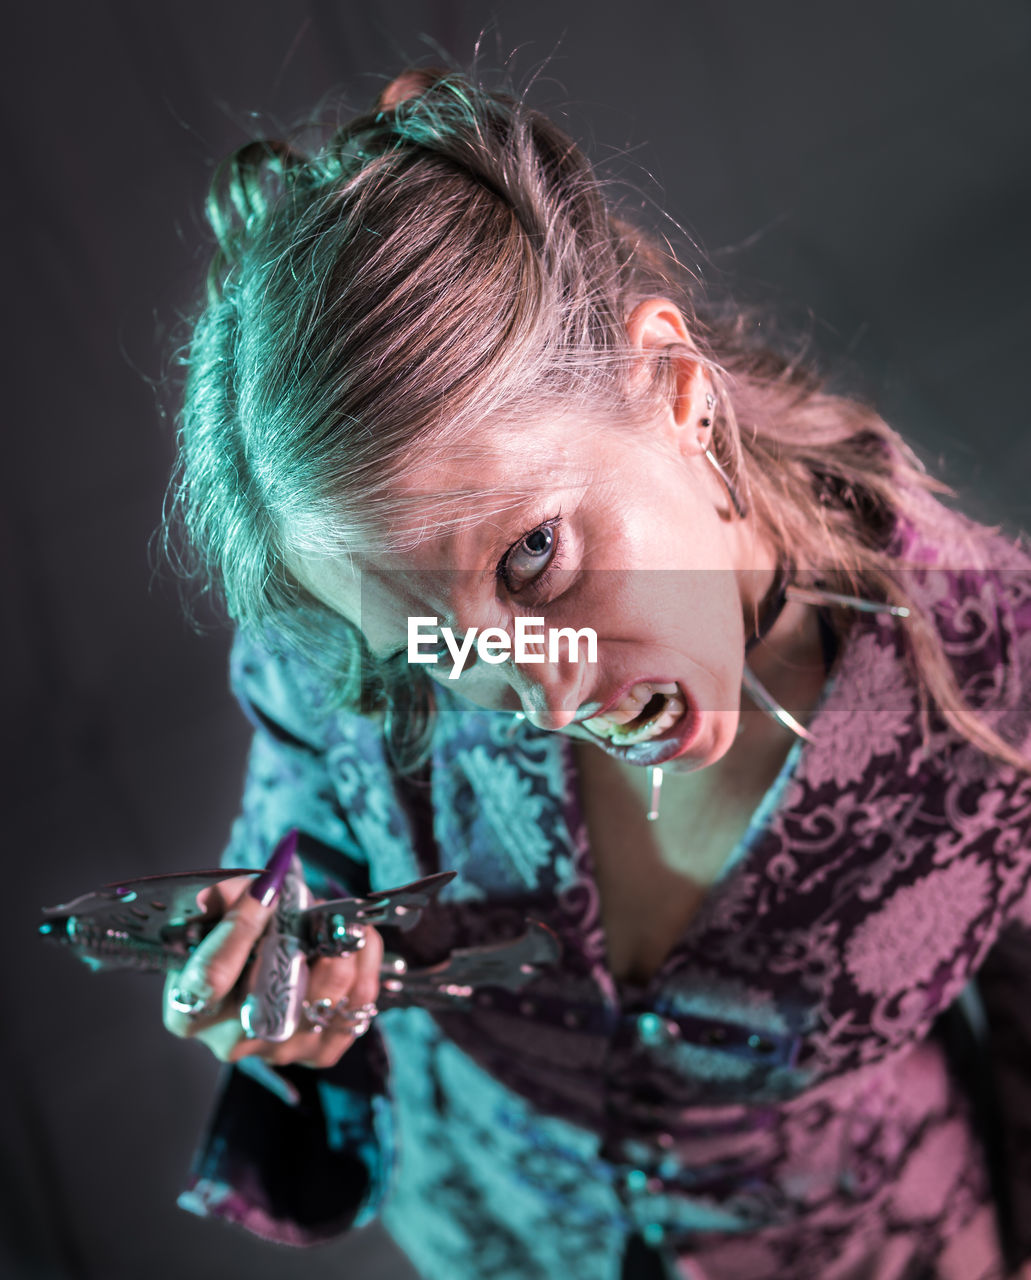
(1004, 979)
(986, 628)
(304, 1154)
(1004, 982)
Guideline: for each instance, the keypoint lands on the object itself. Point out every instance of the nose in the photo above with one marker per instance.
(549, 692)
(544, 677)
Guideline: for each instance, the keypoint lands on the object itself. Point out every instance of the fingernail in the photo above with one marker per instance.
(260, 1071)
(268, 884)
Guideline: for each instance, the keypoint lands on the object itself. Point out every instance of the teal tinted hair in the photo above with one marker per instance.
(445, 268)
(443, 261)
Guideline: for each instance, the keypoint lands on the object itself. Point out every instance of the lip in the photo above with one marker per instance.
(656, 750)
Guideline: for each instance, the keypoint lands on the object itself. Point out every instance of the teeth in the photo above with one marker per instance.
(611, 724)
(631, 705)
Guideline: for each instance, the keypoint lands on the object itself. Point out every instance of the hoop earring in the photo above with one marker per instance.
(735, 500)
(758, 692)
(768, 704)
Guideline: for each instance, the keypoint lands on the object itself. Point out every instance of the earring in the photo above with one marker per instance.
(735, 501)
(766, 702)
(735, 498)
(758, 692)
(817, 596)
(754, 687)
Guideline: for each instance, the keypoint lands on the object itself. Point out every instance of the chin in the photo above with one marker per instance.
(715, 734)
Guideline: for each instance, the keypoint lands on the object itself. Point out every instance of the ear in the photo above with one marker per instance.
(656, 327)
(412, 83)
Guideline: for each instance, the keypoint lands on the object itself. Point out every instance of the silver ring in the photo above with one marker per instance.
(361, 1018)
(318, 1013)
(183, 1001)
(348, 937)
(364, 1013)
(321, 1014)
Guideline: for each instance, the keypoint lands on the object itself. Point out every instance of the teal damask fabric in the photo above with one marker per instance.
(774, 1102)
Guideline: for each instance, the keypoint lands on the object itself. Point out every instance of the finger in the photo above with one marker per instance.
(328, 988)
(216, 899)
(328, 1005)
(338, 984)
(215, 966)
(224, 1037)
(331, 1046)
(329, 981)
(181, 1012)
(207, 1026)
(353, 1014)
(196, 1025)
(174, 1017)
(303, 1046)
(339, 1008)
(368, 960)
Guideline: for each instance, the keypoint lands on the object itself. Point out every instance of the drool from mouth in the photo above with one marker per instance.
(644, 712)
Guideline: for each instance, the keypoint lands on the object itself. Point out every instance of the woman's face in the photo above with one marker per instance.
(628, 532)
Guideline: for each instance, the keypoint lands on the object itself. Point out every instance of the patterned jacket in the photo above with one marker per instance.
(787, 1097)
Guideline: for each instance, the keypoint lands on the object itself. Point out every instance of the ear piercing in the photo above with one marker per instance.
(740, 509)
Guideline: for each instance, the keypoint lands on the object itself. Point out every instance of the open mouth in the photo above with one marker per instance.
(645, 711)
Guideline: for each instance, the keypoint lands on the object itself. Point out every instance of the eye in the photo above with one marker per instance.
(528, 560)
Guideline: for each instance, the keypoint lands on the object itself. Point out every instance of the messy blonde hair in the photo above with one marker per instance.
(450, 258)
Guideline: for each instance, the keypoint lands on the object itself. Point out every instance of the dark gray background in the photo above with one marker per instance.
(860, 167)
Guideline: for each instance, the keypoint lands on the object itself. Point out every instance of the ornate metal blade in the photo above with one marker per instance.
(451, 983)
(154, 922)
(151, 923)
(333, 928)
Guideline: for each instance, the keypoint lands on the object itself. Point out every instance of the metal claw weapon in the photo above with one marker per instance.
(155, 922)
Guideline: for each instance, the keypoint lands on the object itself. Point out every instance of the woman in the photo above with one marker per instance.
(440, 384)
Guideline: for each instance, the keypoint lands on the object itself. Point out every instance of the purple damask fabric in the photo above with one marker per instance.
(778, 1100)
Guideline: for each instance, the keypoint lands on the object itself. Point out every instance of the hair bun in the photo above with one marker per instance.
(412, 83)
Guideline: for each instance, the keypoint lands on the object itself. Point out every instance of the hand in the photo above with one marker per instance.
(210, 979)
